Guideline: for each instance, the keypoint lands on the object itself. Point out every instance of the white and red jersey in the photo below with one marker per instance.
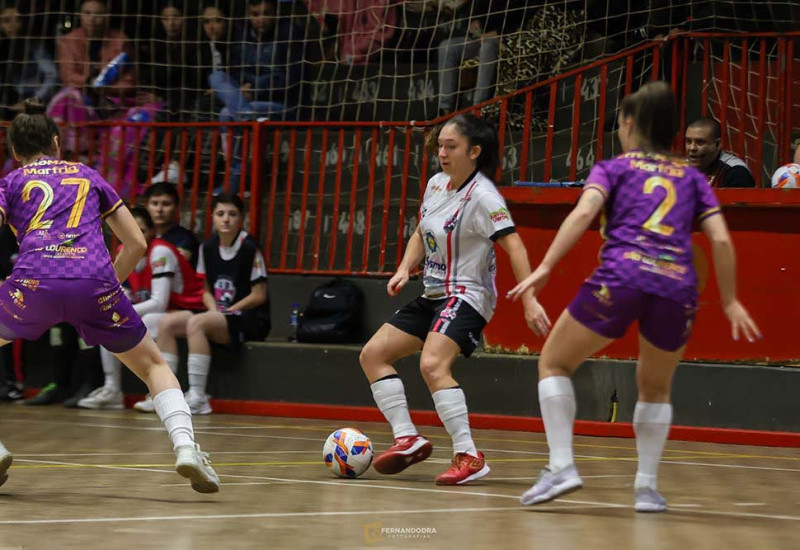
(458, 229)
(165, 260)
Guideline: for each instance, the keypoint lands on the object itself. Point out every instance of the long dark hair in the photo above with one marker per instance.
(479, 132)
(653, 112)
(31, 133)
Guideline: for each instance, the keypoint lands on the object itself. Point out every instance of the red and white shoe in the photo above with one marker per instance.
(465, 468)
(406, 451)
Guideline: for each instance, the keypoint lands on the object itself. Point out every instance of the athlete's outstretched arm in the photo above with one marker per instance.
(134, 246)
(535, 315)
(415, 252)
(716, 230)
(573, 227)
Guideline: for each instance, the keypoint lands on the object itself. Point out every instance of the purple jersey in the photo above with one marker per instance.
(56, 209)
(652, 203)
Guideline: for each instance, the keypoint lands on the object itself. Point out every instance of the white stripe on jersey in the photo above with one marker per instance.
(456, 228)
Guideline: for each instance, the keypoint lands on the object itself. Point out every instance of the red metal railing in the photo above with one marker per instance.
(342, 197)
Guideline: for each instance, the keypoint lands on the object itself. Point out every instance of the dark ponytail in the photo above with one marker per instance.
(31, 133)
(653, 112)
(480, 132)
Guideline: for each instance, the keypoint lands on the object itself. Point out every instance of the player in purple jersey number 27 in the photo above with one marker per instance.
(601, 313)
(65, 281)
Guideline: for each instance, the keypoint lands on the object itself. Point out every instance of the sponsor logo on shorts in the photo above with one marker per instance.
(18, 298)
(603, 296)
(30, 284)
(500, 215)
(472, 339)
(118, 320)
(448, 313)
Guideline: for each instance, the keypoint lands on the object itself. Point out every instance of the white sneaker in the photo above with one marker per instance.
(194, 464)
(146, 405)
(103, 398)
(649, 500)
(6, 458)
(198, 403)
(551, 485)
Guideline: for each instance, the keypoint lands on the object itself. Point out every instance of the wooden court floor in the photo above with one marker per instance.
(104, 480)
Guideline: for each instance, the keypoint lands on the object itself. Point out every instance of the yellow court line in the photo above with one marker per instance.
(218, 423)
(216, 464)
(717, 454)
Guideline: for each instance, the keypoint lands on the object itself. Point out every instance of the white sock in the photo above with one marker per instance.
(557, 402)
(451, 406)
(390, 396)
(112, 369)
(171, 360)
(199, 365)
(651, 423)
(174, 413)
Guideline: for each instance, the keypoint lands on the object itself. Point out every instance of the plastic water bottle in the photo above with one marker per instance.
(110, 72)
(293, 322)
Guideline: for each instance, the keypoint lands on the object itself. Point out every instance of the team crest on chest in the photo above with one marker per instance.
(430, 241)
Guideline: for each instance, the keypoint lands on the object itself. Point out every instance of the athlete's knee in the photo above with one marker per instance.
(372, 354)
(197, 324)
(654, 389)
(432, 368)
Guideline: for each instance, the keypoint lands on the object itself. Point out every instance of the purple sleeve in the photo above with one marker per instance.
(598, 179)
(3, 199)
(707, 204)
(109, 199)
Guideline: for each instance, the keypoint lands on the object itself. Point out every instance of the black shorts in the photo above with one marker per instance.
(247, 327)
(452, 317)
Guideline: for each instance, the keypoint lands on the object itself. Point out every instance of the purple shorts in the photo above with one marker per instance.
(609, 311)
(99, 310)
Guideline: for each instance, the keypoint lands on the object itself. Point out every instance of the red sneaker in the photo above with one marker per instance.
(465, 468)
(406, 451)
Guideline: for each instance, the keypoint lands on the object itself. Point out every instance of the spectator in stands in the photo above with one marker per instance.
(704, 151)
(796, 158)
(547, 43)
(364, 27)
(163, 280)
(479, 48)
(268, 68)
(162, 203)
(214, 55)
(82, 54)
(170, 68)
(26, 66)
(235, 297)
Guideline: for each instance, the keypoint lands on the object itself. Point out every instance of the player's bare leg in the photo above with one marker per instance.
(569, 344)
(146, 362)
(6, 458)
(652, 418)
(387, 345)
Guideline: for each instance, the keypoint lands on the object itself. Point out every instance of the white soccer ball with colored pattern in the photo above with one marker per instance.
(347, 452)
(786, 177)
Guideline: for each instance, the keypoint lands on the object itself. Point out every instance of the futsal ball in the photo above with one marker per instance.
(786, 177)
(347, 452)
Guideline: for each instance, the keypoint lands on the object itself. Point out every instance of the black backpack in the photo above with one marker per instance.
(333, 314)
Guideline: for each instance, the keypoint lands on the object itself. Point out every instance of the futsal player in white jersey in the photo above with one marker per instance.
(461, 217)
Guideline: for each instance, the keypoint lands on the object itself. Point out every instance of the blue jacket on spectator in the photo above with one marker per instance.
(271, 65)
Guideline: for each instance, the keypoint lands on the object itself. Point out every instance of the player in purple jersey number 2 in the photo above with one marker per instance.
(601, 313)
(35, 297)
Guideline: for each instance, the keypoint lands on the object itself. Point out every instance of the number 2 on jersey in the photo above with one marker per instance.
(653, 223)
(47, 200)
